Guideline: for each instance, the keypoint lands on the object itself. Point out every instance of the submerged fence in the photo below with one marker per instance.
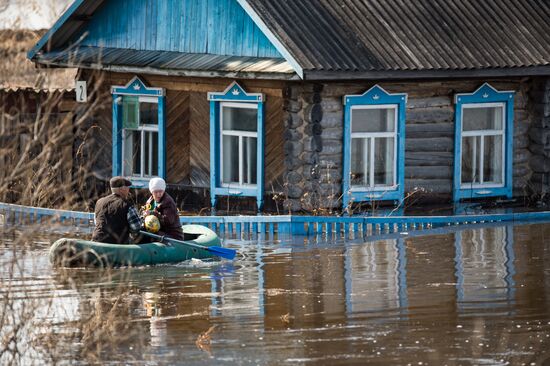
(277, 225)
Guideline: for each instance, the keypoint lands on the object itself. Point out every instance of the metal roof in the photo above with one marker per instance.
(164, 62)
(351, 39)
(379, 37)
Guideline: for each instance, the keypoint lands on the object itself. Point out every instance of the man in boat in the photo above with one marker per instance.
(115, 217)
(164, 207)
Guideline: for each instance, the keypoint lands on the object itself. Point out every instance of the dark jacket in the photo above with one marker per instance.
(111, 216)
(168, 216)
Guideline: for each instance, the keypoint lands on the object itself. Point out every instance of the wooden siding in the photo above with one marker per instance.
(193, 26)
(274, 130)
(188, 121)
(177, 136)
(200, 140)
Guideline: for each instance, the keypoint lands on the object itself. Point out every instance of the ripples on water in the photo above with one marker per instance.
(470, 297)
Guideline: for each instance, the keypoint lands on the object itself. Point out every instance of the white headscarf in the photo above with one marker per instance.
(157, 184)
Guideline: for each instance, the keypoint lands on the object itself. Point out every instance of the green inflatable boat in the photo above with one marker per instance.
(199, 242)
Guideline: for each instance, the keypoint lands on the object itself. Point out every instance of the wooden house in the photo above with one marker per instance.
(326, 103)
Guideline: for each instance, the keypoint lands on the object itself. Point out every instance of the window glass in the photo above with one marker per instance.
(482, 144)
(470, 159)
(482, 118)
(482, 160)
(151, 153)
(230, 158)
(240, 119)
(130, 106)
(239, 147)
(373, 155)
(384, 160)
(360, 151)
(373, 120)
(140, 143)
(493, 159)
(148, 113)
(132, 153)
(249, 160)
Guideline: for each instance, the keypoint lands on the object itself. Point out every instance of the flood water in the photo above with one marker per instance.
(469, 297)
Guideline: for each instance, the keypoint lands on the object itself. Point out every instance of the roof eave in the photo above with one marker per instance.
(58, 24)
(543, 70)
(175, 72)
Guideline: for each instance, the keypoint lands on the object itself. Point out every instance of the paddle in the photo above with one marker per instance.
(219, 251)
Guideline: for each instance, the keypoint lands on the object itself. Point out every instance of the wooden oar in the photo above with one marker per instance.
(219, 251)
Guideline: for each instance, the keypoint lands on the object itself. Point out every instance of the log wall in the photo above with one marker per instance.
(313, 139)
(539, 140)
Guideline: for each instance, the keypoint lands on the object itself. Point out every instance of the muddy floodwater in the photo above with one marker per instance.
(469, 297)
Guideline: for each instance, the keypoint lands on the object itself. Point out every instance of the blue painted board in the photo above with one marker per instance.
(220, 27)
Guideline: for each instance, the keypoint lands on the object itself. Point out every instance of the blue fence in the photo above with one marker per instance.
(271, 226)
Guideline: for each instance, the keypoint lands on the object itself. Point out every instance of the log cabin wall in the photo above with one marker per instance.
(188, 121)
(304, 123)
(539, 137)
(314, 121)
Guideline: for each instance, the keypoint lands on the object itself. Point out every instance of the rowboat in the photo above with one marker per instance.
(199, 242)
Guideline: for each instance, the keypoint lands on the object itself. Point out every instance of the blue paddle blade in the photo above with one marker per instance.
(222, 252)
(219, 251)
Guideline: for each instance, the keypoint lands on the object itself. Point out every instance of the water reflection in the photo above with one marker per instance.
(376, 277)
(485, 268)
(462, 297)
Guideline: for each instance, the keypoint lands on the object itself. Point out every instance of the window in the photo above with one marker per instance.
(138, 132)
(239, 129)
(139, 137)
(373, 144)
(374, 125)
(483, 144)
(236, 144)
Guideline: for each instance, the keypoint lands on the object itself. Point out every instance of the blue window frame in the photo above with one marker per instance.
(236, 144)
(374, 146)
(483, 143)
(139, 136)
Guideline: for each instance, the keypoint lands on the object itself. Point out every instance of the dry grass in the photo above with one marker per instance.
(31, 334)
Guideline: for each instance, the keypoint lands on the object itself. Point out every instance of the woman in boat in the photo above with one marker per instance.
(164, 208)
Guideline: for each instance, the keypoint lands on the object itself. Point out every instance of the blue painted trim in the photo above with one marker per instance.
(286, 224)
(117, 136)
(136, 87)
(272, 38)
(374, 96)
(346, 181)
(214, 151)
(485, 94)
(235, 93)
(237, 191)
(260, 158)
(162, 137)
(58, 24)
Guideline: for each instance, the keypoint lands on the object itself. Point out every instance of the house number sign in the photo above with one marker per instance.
(81, 93)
